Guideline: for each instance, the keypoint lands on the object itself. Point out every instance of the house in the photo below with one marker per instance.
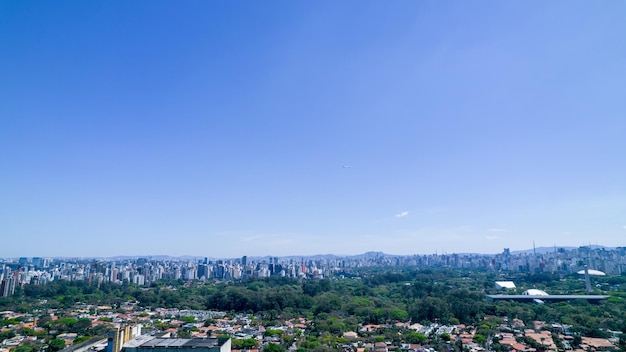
(350, 335)
(380, 347)
(519, 347)
(596, 344)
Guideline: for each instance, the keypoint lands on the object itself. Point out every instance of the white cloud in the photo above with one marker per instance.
(491, 237)
(624, 227)
(498, 230)
(402, 214)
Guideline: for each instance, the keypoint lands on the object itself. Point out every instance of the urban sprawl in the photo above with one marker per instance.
(131, 326)
(146, 270)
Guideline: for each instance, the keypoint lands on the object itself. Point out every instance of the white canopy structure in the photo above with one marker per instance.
(534, 292)
(592, 272)
(505, 285)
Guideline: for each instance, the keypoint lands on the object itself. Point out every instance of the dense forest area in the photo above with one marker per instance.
(374, 296)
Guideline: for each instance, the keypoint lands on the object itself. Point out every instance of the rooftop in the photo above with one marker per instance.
(591, 298)
(145, 341)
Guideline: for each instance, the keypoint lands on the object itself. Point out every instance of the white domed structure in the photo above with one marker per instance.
(535, 292)
(592, 272)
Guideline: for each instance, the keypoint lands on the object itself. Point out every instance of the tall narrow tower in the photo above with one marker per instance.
(587, 281)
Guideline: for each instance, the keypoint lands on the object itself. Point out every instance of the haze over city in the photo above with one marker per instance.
(225, 129)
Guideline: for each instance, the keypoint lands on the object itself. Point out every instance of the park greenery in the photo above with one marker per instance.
(338, 305)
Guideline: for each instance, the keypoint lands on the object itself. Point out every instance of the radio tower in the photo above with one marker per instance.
(587, 281)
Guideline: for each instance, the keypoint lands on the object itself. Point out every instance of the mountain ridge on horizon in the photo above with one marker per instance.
(369, 254)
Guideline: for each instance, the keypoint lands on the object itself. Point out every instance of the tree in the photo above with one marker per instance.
(81, 339)
(416, 337)
(479, 339)
(272, 347)
(23, 348)
(287, 340)
(56, 345)
(82, 324)
(577, 340)
(184, 334)
(327, 303)
(273, 332)
(7, 334)
(188, 319)
(244, 344)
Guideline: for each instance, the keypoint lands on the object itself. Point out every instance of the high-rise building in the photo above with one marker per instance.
(7, 286)
(203, 271)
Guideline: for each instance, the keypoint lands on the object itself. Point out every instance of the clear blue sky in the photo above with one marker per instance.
(222, 128)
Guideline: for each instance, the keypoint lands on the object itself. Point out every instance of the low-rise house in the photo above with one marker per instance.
(508, 340)
(596, 344)
(380, 347)
(411, 347)
(14, 341)
(68, 337)
(520, 347)
(466, 338)
(350, 335)
(370, 327)
(416, 327)
(517, 323)
(544, 338)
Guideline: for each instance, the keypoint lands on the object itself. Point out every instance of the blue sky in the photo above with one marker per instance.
(222, 129)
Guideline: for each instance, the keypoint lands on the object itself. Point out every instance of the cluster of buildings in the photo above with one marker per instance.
(545, 260)
(134, 329)
(145, 270)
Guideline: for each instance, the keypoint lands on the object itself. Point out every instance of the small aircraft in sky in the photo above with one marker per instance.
(346, 166)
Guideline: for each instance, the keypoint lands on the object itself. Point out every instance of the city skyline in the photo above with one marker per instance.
(305, 128)
(160, 256)
(594, 261)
